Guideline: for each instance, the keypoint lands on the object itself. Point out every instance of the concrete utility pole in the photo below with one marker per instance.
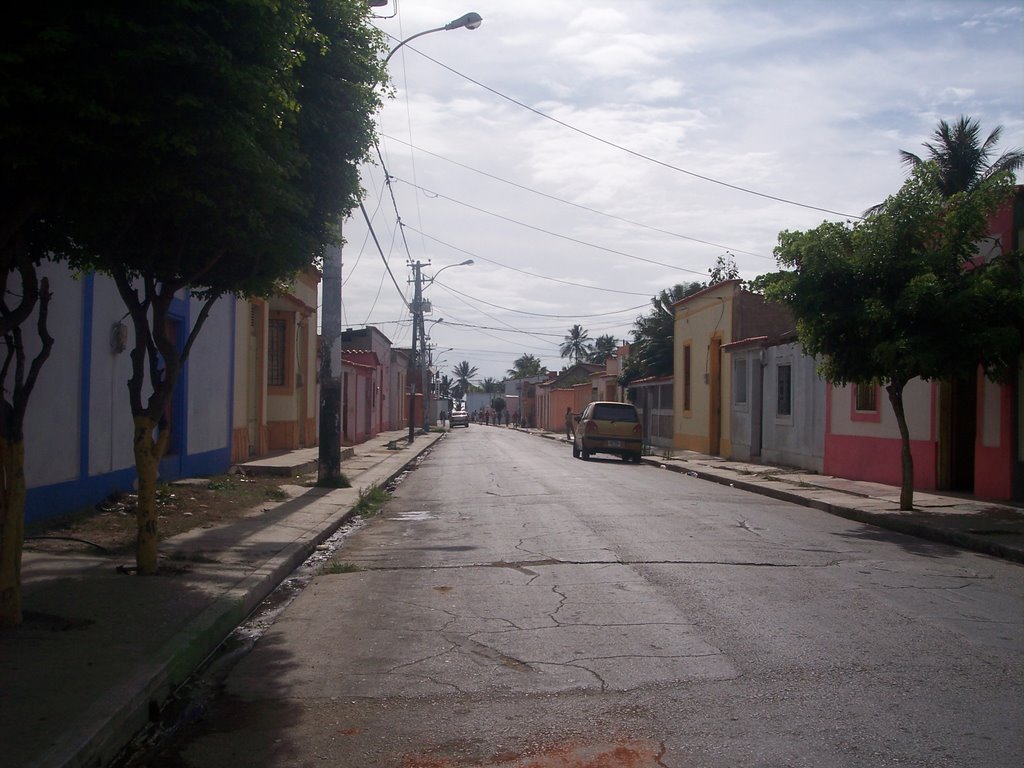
(330, 385)
(329, 457)
(417, 333)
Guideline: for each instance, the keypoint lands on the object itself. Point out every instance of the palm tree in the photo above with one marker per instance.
(445, 383)
(576, 345)
(463, 373)
(964, 162)
(526, 365)
(961, 156)
(604, 347)
(490, 386)
(651, 352)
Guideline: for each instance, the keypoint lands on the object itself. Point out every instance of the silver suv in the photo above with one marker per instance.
(460, 419)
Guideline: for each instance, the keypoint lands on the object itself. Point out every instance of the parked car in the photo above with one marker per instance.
(460, 419)
(607, 427)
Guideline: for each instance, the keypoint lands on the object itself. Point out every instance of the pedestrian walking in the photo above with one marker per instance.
(570, 430)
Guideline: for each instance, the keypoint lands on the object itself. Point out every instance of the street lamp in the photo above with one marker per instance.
(469, 21)
(466, 263)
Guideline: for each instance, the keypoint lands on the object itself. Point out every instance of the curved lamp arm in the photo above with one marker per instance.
(469, 21)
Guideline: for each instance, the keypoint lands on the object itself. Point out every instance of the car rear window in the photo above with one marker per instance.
(614, 412)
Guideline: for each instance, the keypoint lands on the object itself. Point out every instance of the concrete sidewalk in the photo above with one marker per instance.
(989, 527)
(100, 651)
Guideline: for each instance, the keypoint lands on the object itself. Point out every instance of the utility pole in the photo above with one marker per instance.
(417, 332)
(329, 458)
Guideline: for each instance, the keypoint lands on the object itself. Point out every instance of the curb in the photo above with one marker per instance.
(186, 651)
(913, 528)
(970, 542)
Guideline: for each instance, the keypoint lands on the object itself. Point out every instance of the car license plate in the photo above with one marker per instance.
(614, 443)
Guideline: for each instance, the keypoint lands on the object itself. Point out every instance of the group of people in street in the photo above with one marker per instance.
(489, 416)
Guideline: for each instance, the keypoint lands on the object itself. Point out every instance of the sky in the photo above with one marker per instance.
(588, 154)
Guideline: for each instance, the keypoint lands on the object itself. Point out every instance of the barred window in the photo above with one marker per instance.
(865, 397)
(784, 393)
(276, 350)
(686, 377)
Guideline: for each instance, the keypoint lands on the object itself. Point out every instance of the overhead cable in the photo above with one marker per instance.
(633, 152)
(578, 205)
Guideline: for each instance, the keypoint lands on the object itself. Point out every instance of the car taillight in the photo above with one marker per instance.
(637, 430)
(590, 427)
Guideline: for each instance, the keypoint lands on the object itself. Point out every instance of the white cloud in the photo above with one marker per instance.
(799, 100)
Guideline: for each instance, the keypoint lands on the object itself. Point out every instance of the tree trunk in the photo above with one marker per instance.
(895, 390)
(148, 453)
(12, 529)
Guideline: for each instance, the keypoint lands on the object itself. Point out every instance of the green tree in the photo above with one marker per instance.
(463, 374)
(525, 366)
(576, 345)
(651, 351)
(445, 384)
(963, 159)
(725, 269)
(227, 140)
(604, 347)
(498, 404)
(895, 296)
(490, 385)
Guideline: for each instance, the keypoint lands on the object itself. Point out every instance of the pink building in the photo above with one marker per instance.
(965, 436)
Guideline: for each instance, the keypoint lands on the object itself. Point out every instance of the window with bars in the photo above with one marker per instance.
(865, 398)
(784, 391)
(276, 352)
(686, 377)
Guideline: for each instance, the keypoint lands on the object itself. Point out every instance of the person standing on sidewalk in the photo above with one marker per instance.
(570, 432)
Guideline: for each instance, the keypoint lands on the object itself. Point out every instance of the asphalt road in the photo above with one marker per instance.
(518, 608)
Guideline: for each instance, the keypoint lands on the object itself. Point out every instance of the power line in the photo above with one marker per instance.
(548, 231)
(522, 271)
(539, 314)
(633, 152)
(578, 205)
(381, 251)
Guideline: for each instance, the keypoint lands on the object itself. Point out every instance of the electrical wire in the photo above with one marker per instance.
(578, 205)
(632, 152)
(521, 271)
(381, 251)
(549, 232)
(539, 314)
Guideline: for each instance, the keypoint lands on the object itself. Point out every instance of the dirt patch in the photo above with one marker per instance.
(181, 506)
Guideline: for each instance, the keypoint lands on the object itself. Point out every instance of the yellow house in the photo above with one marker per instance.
(276, 400)
(704, 321)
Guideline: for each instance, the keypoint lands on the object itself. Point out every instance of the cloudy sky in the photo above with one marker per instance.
(587, 154)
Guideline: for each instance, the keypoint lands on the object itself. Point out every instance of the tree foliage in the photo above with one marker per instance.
(651, 351)
(463, 374)
(184, 145)
(604, 347)
(576, 344)
(897, 296)
(524, 366)
(962, 158)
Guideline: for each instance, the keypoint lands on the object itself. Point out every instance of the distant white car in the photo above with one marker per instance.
(460, 419)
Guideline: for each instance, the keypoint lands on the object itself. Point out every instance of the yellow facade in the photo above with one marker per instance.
(703, 384)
